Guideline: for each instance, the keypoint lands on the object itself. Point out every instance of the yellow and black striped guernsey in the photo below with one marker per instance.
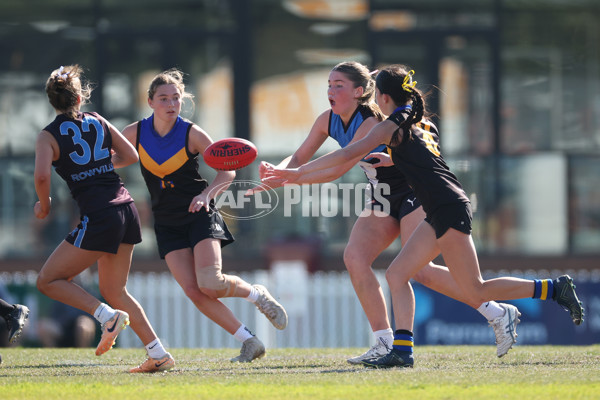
(170, 170)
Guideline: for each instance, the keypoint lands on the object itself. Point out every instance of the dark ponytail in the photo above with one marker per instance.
(396, 81)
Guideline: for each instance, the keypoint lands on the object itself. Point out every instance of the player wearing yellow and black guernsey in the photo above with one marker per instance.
(414, 143)
(416, 162)
(189, 229)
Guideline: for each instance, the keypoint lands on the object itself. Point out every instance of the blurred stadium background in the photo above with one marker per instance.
(515, 86)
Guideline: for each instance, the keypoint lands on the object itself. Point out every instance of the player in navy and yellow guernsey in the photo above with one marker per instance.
(414, 144)
(85, 149)
(353, 113)
(189, 229)
(171, 174)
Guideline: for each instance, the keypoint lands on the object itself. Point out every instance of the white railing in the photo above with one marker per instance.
(323, 311)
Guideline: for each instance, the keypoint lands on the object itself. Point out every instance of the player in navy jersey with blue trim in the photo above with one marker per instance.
(190, 231)
(84, 148)
(446, 229)
(351, 92)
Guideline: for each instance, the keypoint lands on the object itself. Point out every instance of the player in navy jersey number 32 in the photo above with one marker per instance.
(84, 148)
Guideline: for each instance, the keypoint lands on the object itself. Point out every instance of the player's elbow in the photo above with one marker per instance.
(121, 160)
(41, 179)
(133, 158)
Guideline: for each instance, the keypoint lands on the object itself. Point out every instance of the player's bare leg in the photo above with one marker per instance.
(359, 255)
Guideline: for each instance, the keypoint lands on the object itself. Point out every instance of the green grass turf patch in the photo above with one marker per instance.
(440, 372)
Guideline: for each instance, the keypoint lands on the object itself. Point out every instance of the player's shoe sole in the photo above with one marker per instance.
(565, 296)
(267, 305)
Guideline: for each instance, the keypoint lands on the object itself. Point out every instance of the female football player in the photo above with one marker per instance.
(84, 149)
(189, 229)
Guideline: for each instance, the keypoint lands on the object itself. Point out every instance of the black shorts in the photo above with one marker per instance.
(397, 204)
(105, 230)
(458, 216)
(203, 226)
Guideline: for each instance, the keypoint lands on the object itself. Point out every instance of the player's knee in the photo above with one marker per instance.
(396, 277)
(354, 260)
(349, 257)
(214, 283)
(476, 298)
(211, 278)
(41, 283)
(44, 282)
(192, 291)
(423, 277)
(474, 293)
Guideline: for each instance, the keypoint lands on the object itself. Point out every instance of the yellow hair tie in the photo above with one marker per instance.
(408, 85)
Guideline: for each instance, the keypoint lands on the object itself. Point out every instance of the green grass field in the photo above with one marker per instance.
(441, 372)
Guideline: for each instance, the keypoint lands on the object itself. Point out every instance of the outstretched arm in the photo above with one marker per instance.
(332, 173)
(316, 137)
(325, 175)
(349, 155)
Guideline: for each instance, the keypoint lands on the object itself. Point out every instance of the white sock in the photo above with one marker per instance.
(253, 296)
(155, 349)
(103, 313)
(491, 310)
(385, 336)
(242, 334)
